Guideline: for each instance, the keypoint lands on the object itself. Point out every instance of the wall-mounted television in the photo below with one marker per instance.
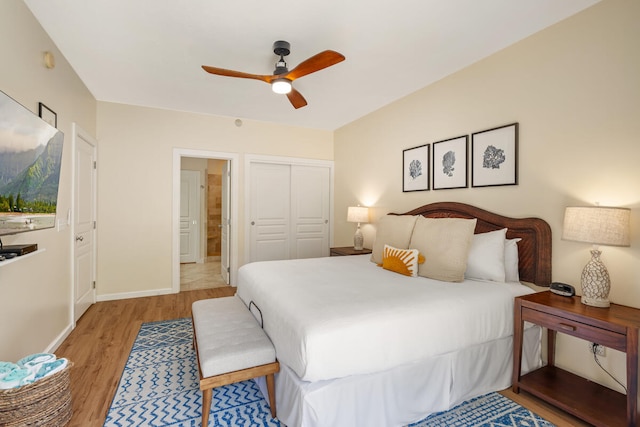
(30, 160)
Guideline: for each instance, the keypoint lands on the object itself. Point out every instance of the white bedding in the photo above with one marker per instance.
(405, 394)
(338, 316)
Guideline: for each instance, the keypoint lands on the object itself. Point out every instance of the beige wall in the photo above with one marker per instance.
(215, 167)
(135, 184)
(35, 292)
(575, 90)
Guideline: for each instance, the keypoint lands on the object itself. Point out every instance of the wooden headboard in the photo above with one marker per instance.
(534, 250)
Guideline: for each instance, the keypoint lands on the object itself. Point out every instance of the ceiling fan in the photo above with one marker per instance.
(282, 78)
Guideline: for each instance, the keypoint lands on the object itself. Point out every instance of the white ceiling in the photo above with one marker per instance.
(149, 52)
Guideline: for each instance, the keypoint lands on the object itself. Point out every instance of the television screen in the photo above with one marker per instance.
(30, 160)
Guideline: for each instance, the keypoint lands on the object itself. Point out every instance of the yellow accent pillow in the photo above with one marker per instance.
(403, 261)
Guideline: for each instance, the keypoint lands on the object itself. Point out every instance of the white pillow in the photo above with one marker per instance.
(511, 260)
(486, 256)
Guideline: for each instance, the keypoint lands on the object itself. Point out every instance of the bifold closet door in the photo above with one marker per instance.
(310, 198)
(270, 211)
(290, 206)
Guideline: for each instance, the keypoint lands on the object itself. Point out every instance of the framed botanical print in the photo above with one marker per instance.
(494, 156)
(415, 168)
(449, 164)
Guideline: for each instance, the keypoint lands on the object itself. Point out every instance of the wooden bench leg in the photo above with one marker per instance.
(271, 389)
(207, 396)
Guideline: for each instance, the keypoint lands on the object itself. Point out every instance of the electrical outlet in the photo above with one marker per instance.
(600, 349)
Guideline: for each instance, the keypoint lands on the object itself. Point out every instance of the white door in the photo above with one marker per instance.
(84, 214)
(270, 212)
(310, 188)
(189, 215)
(225, 222)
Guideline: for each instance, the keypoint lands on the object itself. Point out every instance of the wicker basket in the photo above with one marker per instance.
(46, 402)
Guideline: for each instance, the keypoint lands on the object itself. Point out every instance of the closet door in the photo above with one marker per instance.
(310, 198)
(270, 211)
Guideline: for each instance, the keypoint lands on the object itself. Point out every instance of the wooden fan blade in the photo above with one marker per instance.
(231, 73)
(315, 63)
(296, 99)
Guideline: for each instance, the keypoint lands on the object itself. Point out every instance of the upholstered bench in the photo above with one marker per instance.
(230, 347)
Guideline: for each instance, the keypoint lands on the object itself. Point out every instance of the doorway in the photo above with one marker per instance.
(220, 252)
(202, 241)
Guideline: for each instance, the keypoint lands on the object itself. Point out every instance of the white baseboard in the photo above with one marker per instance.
(139, 294)
(59, 339)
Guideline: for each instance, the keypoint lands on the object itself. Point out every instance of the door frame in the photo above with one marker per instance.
(225, 245)
(78, 132)
(233, 159)
(291, 161)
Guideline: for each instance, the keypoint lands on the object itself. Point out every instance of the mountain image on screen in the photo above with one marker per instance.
(30, 162)
(33, 174)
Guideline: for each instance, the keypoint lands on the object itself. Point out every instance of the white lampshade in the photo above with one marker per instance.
(281, 86)
(599, 226)
(358, 214)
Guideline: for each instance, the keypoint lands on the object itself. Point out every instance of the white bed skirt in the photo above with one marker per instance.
(405, 394)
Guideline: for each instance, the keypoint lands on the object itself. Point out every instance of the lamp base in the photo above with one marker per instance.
(595, 282)
(595, 302)
(358, 239)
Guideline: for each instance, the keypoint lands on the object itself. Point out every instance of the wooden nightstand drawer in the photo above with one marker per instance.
(348, 250)
(570, 327)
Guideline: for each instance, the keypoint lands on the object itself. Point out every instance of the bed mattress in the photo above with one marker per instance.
(338, 316)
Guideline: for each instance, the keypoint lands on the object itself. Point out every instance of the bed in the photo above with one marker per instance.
(361, 345)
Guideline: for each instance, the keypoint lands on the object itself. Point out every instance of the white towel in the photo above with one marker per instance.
(6, 368)
(17, 378)
(50, 368)
(33, 362)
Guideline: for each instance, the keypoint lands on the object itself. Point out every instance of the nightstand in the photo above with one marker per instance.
(614, 327)
(348, 250)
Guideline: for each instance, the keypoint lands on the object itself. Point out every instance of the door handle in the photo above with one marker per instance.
(79, 238)
(253, 223)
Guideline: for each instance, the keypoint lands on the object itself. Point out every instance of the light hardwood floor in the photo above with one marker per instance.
(100, 344)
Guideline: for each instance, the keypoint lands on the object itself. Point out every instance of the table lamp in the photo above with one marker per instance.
(358, 214)
(598, 225)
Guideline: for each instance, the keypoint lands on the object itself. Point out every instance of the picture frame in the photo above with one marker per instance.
(449, 166)
(494, 156)
(415, 168)
(48, 115)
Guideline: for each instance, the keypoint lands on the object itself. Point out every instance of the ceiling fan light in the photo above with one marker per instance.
(282, 86)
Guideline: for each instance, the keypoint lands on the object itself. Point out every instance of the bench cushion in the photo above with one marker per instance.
(228, 337)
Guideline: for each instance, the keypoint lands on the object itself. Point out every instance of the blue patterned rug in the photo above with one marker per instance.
(159, 387)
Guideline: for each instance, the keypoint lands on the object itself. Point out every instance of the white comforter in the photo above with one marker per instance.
(338, 316)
